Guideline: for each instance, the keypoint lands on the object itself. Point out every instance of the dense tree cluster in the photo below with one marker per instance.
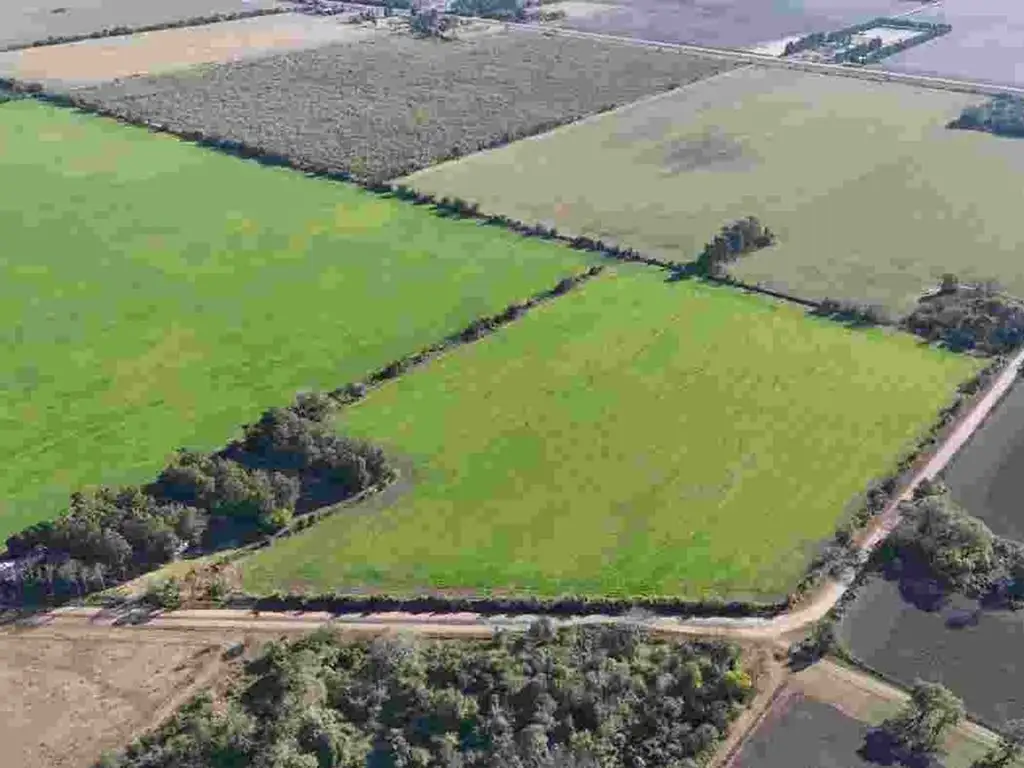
(939, 541)
(919, 728)
(734, 240)
(1002, 115)
(504, 10)
(250, 489)
(969, 317)
(589, 696)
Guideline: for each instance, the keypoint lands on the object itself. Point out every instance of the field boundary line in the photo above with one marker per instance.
(585, 120)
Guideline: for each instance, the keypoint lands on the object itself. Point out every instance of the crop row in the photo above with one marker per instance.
(383, 107)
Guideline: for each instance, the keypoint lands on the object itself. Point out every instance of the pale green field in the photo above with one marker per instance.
(872, 197)
(635, 437)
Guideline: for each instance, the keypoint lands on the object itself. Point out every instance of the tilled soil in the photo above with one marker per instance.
(385, 106)
(91, 62)
(64, 700)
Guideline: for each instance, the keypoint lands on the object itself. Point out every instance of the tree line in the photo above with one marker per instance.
(581, 697)
(290, 461)
(1002, 115)
(940, 542)
(739, 238)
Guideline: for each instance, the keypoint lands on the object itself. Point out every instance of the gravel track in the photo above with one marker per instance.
(386, 106)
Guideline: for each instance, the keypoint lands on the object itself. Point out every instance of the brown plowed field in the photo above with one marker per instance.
(66, 698)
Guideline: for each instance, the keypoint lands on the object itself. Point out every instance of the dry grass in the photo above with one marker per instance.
(391, 104)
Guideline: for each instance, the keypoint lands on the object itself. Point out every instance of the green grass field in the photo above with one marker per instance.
(635, 437)
(155, 295)
(873, 198)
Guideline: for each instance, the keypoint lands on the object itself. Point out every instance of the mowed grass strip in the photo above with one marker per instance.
(635, 437)
(871, 196)
(157, 295)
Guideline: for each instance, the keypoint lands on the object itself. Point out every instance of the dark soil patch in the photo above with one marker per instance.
(709, 150)
(987, 477)
(976, 654)
(803, 733)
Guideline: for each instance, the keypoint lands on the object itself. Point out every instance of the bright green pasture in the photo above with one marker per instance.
(872, 197)
(155, 294)
(637, 436)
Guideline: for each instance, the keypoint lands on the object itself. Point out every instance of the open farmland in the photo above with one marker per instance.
(391, 104)
(984, 45)
(976, 654)
(986, 477)
(23, 23)
(64, 700)
(158, 295)
(872, 198)
(636, 437)
(89, 62)
(731, 23)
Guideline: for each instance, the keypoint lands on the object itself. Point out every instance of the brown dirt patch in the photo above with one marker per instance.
(64, 700)
(93, 61)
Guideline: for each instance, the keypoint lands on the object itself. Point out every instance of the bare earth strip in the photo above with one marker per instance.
(91, 62)
(64, 699)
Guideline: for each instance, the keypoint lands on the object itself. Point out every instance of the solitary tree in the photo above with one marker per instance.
(920, 726)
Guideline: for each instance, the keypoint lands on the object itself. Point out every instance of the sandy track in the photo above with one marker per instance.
(91, 62)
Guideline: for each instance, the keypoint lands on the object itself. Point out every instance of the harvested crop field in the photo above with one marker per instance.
(976, 654)
(26, 23)
(64, 700)
(91, 62)
(871, 196)
(987, 476)
(391, 104)
(731, 23)
(158, 295)
(636, 437)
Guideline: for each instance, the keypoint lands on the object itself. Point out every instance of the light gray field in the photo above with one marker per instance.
(871, 196)
(985, 44)
(24, 22)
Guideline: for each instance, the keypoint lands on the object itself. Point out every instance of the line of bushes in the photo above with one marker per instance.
(569, 605)
(194, 21)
